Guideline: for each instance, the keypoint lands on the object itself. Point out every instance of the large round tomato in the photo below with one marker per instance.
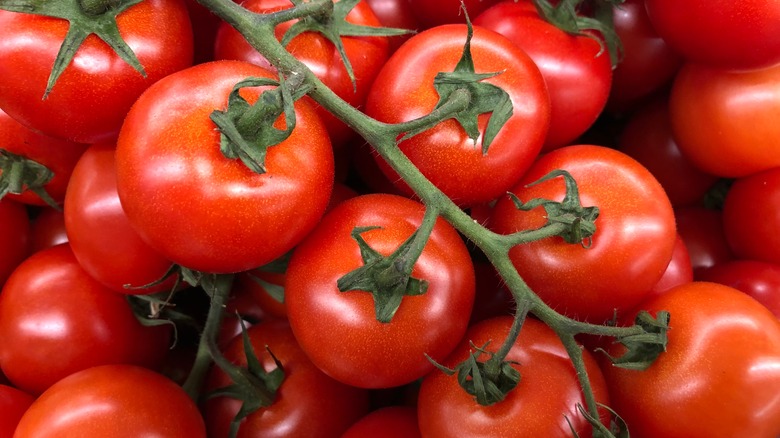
(307, 404)
(632, 245)
(121, 401)
(15, 239)
(56, 320)
(564, 60)
(445, 154)
(724, 121)
(340, 331)
(723, 33)
(720, 373)
(201, 209)
(366, 56)
(93, 94)
(539, 406)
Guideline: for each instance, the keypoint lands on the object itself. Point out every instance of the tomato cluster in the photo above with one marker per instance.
(290, 219)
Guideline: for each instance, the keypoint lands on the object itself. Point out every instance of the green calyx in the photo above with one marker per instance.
(86, 17)
(19, 174)
(247, 130)
(644, 348)
(332, 24)
(578, 221)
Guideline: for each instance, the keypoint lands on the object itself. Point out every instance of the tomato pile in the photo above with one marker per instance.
(292, 218)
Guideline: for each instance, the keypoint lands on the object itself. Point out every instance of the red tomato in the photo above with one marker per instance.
(307, 404)
(75, 323)
(545, 397)
(122, 401)
(719, 376)
(431, 13)
(366, 55)
(445, 154)
(648, 138)
(723, 121)
(15, 238)
(256, 283)
(59, 156)
(94, 216)
(397, 14)
(751, 216)
(724, 33)
(340, 332)
(204, 31)
(760, 280)
(389, 422)
(679, 271)
(648, 63)
(563, 59)
(702, 231)
(13, 404)
(200, 209)
(94, 93)
(47, 229)
(620, 267)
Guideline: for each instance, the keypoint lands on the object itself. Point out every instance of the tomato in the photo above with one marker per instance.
(760, 280)
(257, 283)
(648, 138)
(204, 31)
(648, 64)
(546, 396)
(702, 231)
(74, 323)
(93, 94)
(340, 331)
(308, 403)
(722, 33)
(564, 60)
(445, 154)
(15, 239)
(13, 404)
(58, 156)
(389, 422)
(620, 266)
(492, 297)
(94, 216)
(47, 229)
(679, 271)
(431, 13)
(200, 209)
(366, 55)
(723, 120)
(397, 14)
(751, 214)
(719, 376)
(128, 401)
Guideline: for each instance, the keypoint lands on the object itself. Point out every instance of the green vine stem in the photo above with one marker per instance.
(259, 32)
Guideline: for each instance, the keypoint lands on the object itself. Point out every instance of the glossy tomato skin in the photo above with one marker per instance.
(722, 33)
(308, 403)
(200, 209)
(59, 156)
(16, 240)
(723, 121)
(94, 216)
(719, 376)
(339, 330)
(445, 154)
(751, 214)
(75, 323)
(388, 422)
(546, 395)
(366, 54)
(31, 43)
(13, 404)
(760, 280)
(121, 401)
(563, 60)
(620, 267)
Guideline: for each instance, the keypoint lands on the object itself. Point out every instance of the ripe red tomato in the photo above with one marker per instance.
(702, 231)
(388, 422)
(122, 401)
(564, 60)
(13, 404)
(93, 94)
(733, 35)
(751, 215)
(47, 229)
(94, 215)
(723, 120)
(679, 271)
(397, 14)
(56, 320)
(340, 332)
(620, 267)
(200, 209)
(366, 55)
(445, 154)
(431, 13)
(307, 404)
(760, 280)
(15, 238)
(538, 406)
(719, 376)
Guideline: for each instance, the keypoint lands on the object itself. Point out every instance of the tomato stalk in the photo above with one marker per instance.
(18, 174)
